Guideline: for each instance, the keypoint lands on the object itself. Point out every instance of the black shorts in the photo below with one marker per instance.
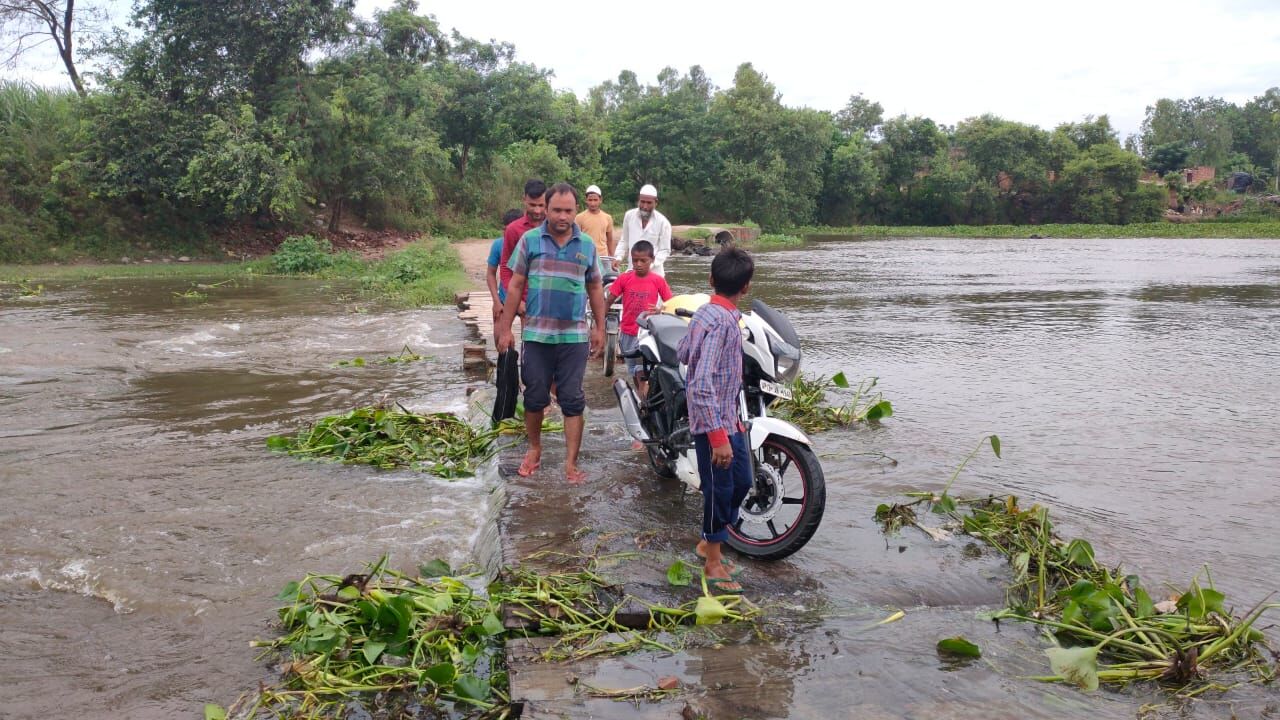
(561, 363)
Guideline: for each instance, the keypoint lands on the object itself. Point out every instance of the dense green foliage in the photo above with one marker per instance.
(292, 113)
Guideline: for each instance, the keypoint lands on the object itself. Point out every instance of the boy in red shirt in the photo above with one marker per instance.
(639, 290)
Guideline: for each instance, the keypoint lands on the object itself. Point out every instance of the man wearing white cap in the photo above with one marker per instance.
(597, 223)
(644, 222)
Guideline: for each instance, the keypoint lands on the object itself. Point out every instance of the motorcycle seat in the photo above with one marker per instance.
(667, 330)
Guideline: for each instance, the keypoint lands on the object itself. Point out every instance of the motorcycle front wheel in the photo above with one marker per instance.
(785, 505)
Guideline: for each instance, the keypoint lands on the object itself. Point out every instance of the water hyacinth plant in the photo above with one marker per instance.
(1107, 626)
(810, 410)
(433, 642)
(442, 444)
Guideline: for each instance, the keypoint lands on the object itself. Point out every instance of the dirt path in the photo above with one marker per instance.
(474, 253)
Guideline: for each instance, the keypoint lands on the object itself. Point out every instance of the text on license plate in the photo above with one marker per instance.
(775, 389)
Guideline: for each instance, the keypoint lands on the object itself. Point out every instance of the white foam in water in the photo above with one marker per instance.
(73, 577)
(421, 337)
(193, 344)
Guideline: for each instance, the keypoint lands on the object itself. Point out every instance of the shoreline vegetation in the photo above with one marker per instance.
(425, 272)
(1158, 230)
(438, 256)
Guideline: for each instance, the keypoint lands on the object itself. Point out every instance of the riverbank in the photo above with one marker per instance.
(1213, 230)
(426, 271)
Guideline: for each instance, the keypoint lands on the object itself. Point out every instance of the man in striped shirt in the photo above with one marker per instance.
(712, 350)
(558, 265)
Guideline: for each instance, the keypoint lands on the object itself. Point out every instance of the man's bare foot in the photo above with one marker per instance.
(575, 476)
(637, 445)
(531, 462)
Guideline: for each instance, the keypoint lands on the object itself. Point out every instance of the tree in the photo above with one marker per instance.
(664, 136)
(1101, 186)
(1093, 131)
(360, 146)
(773, 155)
(859, 117)
(490, 99)
(211, 56)
(850, 179)
(1261, 137)
(907, 144)
(239, 170)
(1204, 125)
(1168, 158)
(31, 23)
(1014, 157)
(609, 96)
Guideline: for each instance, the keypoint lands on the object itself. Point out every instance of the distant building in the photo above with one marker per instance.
(1199, 174)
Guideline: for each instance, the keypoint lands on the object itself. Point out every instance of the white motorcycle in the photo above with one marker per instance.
(788, 492)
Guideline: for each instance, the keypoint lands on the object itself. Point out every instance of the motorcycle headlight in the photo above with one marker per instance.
(787, 359)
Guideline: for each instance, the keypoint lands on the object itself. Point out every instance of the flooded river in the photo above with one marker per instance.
(144, 528)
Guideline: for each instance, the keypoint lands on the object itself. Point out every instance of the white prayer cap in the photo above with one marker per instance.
(593, 189)
(649, 190)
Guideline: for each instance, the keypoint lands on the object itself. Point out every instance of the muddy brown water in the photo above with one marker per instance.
(145, 529)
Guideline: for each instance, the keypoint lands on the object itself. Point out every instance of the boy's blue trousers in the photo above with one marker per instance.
(723, 489)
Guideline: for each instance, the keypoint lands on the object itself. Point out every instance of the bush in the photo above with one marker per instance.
(425, 273)
(418, 262)
(697, 233)
(304, 254)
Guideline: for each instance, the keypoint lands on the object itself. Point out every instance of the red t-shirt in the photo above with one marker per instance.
(638, 295)
(510, 236)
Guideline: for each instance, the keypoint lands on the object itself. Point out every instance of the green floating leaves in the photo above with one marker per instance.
(944, 504)
(879, 411)
(372, 649)
(1080, 553)
(349, 638)
(492, 625)
(710, 611)
(289, 593)
(1198, 602)
(1078, 666)
(809, 407)
(471, 687)
(435, 568)
(995, 444)
(958, 647)
(441, 674)
(678, 574)
(214, 712)
(440, 443)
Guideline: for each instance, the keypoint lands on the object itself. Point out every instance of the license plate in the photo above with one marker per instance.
(776, 390)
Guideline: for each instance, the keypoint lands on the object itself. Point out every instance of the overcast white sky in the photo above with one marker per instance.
(1031, 61)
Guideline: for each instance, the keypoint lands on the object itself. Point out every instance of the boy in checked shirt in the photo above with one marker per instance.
(712, 350)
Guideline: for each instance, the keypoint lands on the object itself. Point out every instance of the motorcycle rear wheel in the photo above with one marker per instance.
(785, 506)
(610, 350)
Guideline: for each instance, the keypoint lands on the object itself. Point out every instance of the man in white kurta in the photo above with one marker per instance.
(644, 222)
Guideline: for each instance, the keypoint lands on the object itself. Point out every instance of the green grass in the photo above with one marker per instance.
(1136, 230)
(772, 240)
(427, 272)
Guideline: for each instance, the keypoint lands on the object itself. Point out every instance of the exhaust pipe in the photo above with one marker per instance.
(630, 407)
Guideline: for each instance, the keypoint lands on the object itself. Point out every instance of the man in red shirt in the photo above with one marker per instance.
(535, 211)
(640, 288)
